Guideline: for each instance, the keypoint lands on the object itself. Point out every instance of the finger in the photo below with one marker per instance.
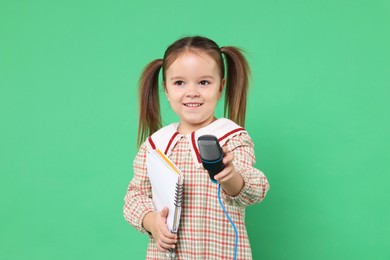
(169, 236)
(168, 241)
(228, 158)
(160, 248)
(164, 213)
(163, 228)
(225, 149)
(220, 175)
(225, 178)
(167, 245)
(226, 172)
(164, 242)
(166, 234)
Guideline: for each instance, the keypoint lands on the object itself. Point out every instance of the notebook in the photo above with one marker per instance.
(167, 186)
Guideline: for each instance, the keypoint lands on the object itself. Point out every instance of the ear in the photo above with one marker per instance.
(165, 88)
(222, 87)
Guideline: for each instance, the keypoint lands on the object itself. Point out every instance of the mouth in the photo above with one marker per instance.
(192, 105)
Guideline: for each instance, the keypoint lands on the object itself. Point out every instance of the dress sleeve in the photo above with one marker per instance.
(255, 182)
(138, 199)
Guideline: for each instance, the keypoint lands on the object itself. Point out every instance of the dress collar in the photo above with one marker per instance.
(167, 137)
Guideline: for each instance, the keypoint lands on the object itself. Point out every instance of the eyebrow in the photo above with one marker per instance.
(202, 77)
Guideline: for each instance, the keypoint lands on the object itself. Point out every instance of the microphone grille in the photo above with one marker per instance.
(209, 148)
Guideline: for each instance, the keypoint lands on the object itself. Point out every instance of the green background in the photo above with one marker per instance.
(318, 113)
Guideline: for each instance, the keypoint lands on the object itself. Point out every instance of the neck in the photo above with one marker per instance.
(185, 129)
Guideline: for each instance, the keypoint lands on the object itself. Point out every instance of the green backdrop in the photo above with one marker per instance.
(318, 113)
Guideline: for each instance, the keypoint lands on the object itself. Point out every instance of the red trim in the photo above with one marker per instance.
(195, 147)
(151, 143)
(230, 133)
(170, 142)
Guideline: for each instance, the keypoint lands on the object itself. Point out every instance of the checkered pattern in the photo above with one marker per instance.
(204, 231)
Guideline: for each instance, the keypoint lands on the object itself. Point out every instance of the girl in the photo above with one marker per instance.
(193, 73)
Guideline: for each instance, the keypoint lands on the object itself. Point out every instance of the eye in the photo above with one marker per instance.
(179, 83)
(204, 82)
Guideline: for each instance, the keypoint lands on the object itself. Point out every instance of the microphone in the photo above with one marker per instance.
(211, 155)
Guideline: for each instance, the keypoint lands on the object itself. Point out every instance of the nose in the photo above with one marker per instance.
(192, 91)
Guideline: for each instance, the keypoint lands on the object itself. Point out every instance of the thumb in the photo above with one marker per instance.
(164, 213)
(225, 149)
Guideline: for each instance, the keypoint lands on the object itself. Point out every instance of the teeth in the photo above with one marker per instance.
(192, 105)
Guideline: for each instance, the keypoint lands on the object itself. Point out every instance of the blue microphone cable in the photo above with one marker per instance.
(230, 220)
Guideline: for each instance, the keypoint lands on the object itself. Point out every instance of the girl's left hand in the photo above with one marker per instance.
(228, 172)
(231, 181)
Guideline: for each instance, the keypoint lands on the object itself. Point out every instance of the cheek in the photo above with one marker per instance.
(173, 97)
(214, 96)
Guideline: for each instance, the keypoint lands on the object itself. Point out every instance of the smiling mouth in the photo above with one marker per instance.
(193, 104)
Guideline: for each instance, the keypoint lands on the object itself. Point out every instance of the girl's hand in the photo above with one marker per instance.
(231, 182)
(228, 172)
(156, 223)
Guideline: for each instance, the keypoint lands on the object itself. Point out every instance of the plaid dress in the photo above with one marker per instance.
(204, 231)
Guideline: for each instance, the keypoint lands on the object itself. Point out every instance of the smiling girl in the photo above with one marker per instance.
(193, 71)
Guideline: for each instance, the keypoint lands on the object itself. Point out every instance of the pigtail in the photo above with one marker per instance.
(237, 83)
(149, 102)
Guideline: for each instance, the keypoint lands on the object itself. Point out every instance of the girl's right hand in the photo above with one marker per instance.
(156, 223)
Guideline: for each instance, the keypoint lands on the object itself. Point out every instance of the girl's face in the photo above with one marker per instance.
(193, 86)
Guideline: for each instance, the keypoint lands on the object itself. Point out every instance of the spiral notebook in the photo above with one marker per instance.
(167, 186)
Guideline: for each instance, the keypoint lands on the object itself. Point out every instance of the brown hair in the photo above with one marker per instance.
(237, 81)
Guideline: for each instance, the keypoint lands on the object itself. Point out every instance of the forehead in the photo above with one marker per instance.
(193, 60)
